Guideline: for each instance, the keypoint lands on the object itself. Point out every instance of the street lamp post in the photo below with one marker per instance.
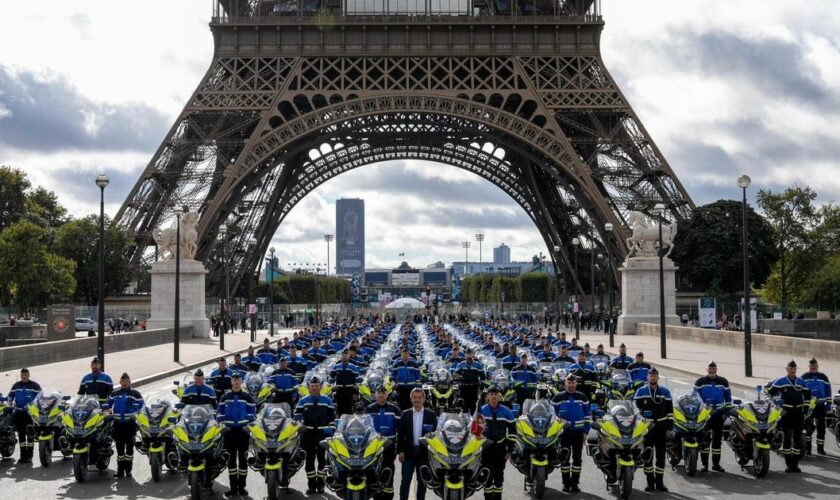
(744, 182)
(102, 182)
(576, 315)
(178, 211)
(557, 284)
(466, 245)
(253, 294)
(328, 238)
(479, 237)
(224, 295)
(659, 210)
(608, 227)
(271, 293)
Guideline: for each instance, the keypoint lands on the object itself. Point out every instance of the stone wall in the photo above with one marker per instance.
(794, 346)
(824, 329)
(52, 352)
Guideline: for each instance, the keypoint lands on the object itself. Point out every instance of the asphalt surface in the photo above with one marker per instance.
(820, 477)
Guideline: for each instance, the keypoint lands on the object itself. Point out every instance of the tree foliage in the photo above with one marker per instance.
(301, 289)
(708, 249)
(13, 188)
(527, 287)
(823, 290)
(31, 276)
(78, 240)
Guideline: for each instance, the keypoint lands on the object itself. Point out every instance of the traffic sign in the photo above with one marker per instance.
(262, 300)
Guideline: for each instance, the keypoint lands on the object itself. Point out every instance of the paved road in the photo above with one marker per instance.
(820, 477)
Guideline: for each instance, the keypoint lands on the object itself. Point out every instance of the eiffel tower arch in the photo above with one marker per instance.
(300, 91)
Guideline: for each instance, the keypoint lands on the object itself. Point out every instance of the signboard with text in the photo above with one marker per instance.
(61, 322)
(707, 307)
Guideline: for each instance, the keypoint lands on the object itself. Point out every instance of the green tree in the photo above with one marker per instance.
(78, 240)
(823, 288)
(13, 188)
(31, 276)
(794, 217)
(708, 249)
(533, 287)
(44, 204)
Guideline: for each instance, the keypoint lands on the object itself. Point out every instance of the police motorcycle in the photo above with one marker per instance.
(8, 433)
(620, 386)
(601, 362)
(454, 471)
(180, 386)
(88, 429)
(256, 384)
(370, 381)
(507, 394)
(545, 385)
(616, 445)
(354, 458)
(537, 450)
(752, 432)
(690, 434)
(199, 446)
(276, 451)
(154, 423)
(321, 371)
(442, 393)
(833, 419)
(560, 370)
(47, 414)
(809, 425)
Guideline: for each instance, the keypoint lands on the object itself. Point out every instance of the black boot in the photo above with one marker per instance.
(120, 469)
(127, 468)
(25, 455)
(704, 459)
(660, 483)
(651, 482)
(242, 480)
(575, 482)
(234, 486)
(820, 449)
(567, 481)
(808, 448)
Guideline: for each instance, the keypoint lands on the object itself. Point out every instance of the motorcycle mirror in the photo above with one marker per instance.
(179, 406)
(324, 444)
(328, 432)
(423, 441)
(225, 430)
(176, 382)
(172, 420)
(596, 425)
(759, 389)
(66, 398)
(647, 414)
(737, 402)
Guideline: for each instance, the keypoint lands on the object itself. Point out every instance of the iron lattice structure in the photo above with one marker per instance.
(298, 93)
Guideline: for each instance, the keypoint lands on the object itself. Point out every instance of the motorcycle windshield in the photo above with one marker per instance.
(620, 379)
(46, 403)
(455, 428)
(502, 380)
(691, 405)
(273, 415)
(83, 408)
(761, 409)
(624, 415)
(157, 409)
(356, 430)
(195, 419)
(539, 413)
(253, 382)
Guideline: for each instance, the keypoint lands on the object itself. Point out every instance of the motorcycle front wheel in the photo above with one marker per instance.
(80, 467)
(272, 483)
(625, 482)
(156, 465)
(539, 482)
(7, 451)
(761, 462)
(45, 452)
(195, 485)
(691, 462)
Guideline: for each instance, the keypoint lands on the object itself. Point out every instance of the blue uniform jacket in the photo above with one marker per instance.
(199, 395)
(524, 377)
(714, 391)
(574, 409)
(236, 409)
(22, 394)
(386, 418)
(124, 404)
(406, 374)
(97, 384)
(820, 387)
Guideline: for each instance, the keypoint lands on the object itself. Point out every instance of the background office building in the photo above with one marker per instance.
(349, 236)
(501, 254)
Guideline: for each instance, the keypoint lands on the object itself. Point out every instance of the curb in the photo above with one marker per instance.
(175, 371)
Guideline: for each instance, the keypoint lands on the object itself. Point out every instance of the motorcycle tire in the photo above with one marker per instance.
(539, 482)
(156, 465)
(742, 461)
(45, 453)
(674, 459)
(7, 451)
(691, 462)
(454, 495)
(195, 485)
(80, 467)
(761, 463)
(625, 483)
(272, 483)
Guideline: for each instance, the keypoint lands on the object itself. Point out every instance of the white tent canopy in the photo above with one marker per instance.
(406, 303)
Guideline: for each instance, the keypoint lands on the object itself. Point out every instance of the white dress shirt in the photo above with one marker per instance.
(417, 420)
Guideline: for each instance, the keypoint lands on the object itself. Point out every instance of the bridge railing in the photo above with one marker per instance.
(280, 10)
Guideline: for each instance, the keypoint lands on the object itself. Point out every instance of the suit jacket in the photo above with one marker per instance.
(405, 436)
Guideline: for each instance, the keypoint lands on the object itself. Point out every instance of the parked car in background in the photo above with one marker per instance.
(85, 324)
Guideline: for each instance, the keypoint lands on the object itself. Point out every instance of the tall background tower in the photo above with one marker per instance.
(349, 236)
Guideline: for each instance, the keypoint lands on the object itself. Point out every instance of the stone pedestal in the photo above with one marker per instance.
(192, 309)
(640, 293)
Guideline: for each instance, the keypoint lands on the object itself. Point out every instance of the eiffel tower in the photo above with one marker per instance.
(300, 91)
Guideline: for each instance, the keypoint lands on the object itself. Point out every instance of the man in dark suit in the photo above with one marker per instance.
(416, 422)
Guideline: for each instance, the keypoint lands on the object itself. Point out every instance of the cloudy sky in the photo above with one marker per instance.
(724, 86)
